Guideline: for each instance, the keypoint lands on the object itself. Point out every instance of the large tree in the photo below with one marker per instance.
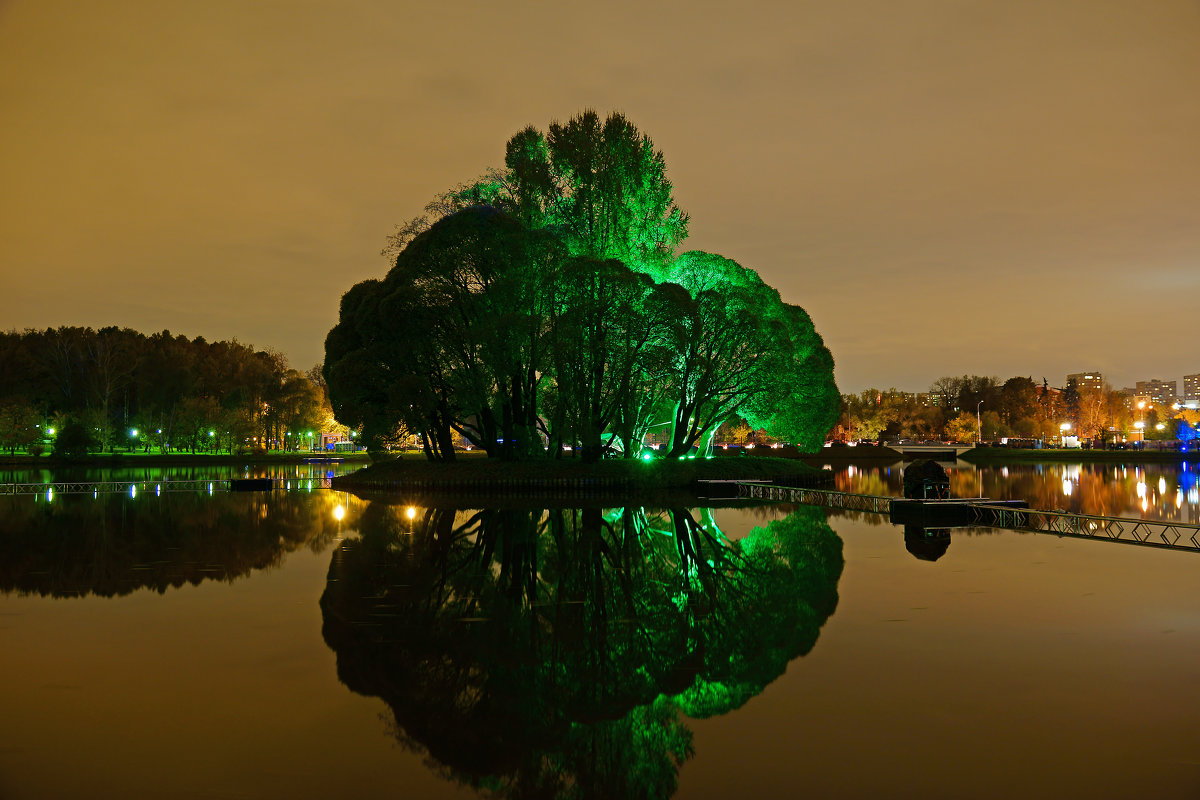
(545, 310)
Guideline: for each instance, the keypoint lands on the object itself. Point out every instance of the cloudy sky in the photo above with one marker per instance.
(948, 186)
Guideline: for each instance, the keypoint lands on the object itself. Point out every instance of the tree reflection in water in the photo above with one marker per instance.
(539, 653)
(113, 544)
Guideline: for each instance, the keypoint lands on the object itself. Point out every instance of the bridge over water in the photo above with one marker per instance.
(991, 514)
(139, 488)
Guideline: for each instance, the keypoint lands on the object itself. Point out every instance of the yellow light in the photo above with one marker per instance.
(339, 512)
(411, 512)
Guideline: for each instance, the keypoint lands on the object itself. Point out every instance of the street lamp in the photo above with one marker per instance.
(978, 423)
(1062, 434)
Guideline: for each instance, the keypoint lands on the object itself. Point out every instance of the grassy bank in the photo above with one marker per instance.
(862, 454)
(617, 475)
(1004, 455)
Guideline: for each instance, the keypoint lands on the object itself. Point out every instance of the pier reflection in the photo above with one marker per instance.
(556, 652)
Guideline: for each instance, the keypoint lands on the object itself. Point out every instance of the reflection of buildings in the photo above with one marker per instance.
(1165, 492)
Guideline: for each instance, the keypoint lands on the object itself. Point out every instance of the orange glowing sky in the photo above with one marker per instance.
(1002, 187)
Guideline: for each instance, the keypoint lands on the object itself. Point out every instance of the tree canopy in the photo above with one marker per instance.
(118, 388)
(545, 310)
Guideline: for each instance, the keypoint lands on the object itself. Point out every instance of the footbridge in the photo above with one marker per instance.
(937, 452)
(148, 487)
(991, 514)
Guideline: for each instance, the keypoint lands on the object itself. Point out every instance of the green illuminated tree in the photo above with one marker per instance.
(606, 326)
(452, 339)
(546, 306)
(600, 185)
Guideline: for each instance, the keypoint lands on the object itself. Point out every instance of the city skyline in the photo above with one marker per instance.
(1179, 381)
(938, 185)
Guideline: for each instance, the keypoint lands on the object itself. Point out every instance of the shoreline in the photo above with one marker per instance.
(623, 478)
(1003, 455)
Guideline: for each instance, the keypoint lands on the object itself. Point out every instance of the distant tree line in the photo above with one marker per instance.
(543, 309)
(964, 408)
(118, 389)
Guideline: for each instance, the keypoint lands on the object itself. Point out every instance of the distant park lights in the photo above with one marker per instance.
(133, 432)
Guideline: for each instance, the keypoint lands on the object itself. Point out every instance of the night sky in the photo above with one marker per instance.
(1005, 188)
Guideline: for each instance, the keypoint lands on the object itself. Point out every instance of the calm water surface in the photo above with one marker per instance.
(311, 644)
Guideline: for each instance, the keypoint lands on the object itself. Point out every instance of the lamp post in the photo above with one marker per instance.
(978, 423)
(1062, 434)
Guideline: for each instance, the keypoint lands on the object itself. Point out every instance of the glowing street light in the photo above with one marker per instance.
(1062, 433)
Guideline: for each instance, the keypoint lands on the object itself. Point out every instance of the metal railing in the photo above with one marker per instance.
(137, 488)
(1144, 532)
(818, 497)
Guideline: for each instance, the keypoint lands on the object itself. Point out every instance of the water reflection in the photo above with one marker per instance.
(926, 544)
(110, 545)
(1169, 492)
(539, 653)
(137, 473)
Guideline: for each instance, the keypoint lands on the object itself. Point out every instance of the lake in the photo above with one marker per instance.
(307, 643)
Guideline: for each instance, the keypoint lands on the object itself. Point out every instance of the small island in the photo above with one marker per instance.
(541, 315)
